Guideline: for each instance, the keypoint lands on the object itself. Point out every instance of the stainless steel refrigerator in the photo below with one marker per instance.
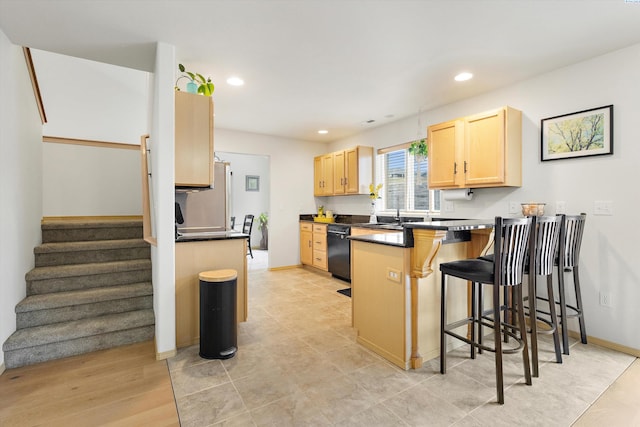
(206, 209)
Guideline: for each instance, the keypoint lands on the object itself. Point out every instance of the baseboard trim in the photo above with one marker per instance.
(285, 267)
(166, 354)
(46, 219)
(608, 344)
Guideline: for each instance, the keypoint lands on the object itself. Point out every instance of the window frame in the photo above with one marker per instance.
(409, 183)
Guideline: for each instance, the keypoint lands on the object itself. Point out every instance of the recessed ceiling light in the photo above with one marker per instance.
(463, 77)
(323, 131)
(235, 81)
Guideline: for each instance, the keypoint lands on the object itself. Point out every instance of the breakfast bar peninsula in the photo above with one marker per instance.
(396, 298)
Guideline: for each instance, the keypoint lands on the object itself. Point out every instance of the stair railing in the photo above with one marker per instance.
(147, 192)
(34, 83)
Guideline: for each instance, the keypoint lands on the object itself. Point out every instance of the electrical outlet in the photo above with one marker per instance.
(605, 299)
(448, 206)
(394, 275)
(561, 207)
(603, 207)
(514, 207)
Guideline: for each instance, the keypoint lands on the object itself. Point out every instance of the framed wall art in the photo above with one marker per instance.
(581, 134)
(252, 183)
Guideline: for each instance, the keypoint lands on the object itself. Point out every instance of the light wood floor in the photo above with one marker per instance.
(124, 386)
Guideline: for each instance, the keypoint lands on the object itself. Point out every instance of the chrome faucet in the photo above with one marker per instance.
(397, 217)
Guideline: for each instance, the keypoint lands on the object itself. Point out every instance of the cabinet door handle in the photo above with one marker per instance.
(455, 168)
(345, 181)
(465, 166)
(309, 243)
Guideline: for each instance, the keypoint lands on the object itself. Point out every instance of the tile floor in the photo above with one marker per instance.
(298, 364)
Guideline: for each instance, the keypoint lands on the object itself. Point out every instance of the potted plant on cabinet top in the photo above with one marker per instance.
(263, 220)
(197, 83)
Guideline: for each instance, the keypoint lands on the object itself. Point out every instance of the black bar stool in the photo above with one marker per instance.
(543, 247)
(511, 238)
(568, 261)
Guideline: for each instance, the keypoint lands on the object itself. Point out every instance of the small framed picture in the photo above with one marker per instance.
(252, 183)
(581, 134)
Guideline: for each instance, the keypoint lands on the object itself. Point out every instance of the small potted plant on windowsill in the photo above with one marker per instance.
(197, 83)
(419, 149)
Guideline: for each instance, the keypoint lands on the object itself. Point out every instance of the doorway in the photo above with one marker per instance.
(249, 195)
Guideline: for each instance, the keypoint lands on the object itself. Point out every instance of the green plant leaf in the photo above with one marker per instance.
(193, 77)
(181, 68)
(201, 78)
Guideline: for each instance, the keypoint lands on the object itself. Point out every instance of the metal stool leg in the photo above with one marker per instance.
(554, 319)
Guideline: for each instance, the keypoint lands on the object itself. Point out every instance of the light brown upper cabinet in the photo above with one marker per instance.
(193, 140)
(351, 172)
(483, 150)
(323, 175)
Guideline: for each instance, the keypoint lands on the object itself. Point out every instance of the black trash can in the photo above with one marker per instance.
(218, 326)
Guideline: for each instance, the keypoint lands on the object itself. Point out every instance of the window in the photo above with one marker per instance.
(404, 180)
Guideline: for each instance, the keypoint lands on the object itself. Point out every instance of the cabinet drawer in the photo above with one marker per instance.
(306, 226)
(320, 259)
(320, 242)
(320, 228)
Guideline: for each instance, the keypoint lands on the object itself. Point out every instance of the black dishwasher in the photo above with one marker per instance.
(339, 251)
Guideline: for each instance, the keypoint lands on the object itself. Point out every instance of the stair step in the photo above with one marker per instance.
(38, 310)
(90, 290)
(63, 278)
(67, 231)
(66, 253)
(43, 343)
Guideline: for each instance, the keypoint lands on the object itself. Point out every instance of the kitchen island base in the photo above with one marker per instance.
(194, 257)
(382, 300)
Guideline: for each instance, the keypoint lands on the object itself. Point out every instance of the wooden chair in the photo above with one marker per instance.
(246, 229)
(511, 239)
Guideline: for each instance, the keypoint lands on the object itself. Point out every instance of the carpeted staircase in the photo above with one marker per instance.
(90, 290)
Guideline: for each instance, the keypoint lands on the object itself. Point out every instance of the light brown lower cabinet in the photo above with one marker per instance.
(193, 258)
(320, 247)
(313, 245)
(306, 243)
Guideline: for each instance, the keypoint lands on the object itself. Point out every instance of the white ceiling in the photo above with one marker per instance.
(331, 64)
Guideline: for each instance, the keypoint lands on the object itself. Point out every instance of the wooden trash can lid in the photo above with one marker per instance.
(218, 275)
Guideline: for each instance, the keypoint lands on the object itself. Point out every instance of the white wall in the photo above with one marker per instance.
(609, 249)
(20, 182)
(84, 99)
(248, 202)
(162, 160)
(90, 181)
(291, 177)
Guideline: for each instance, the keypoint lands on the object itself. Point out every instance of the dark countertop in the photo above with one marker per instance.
(211, 235)
(452, 225)
(458, 230)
